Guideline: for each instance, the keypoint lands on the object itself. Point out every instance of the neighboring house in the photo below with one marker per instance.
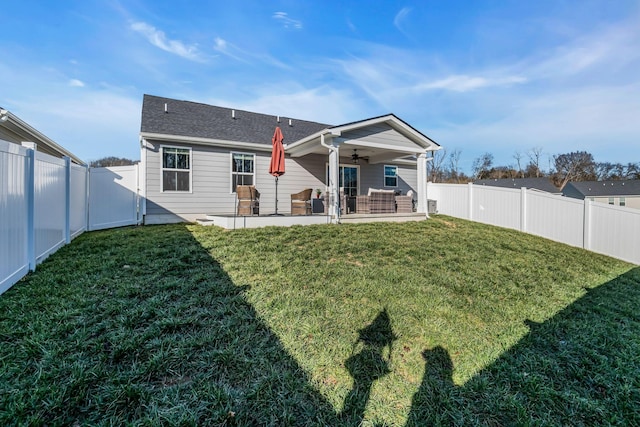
(193, 155)
(619, 193)
(14, 130)
(541, 184)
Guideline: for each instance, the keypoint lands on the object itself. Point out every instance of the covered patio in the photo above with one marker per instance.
(355, 150)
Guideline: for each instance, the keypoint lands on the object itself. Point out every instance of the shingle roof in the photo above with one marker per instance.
(194, 119)
(607, 188)
(543, 184)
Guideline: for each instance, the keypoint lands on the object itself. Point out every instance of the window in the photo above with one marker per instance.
(390, 176)
(611, 201)
(622, 201)
(176, 169)
(242, 170)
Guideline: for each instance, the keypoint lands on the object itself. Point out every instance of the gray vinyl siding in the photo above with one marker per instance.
(211, 182)
(372, 176)
(381, 134)
(9, 136)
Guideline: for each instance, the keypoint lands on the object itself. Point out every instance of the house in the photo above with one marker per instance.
(193, 155)
(619, 193)
(540, 184)
(15, 130)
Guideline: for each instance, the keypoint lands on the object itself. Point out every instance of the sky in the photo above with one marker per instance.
(477, 76)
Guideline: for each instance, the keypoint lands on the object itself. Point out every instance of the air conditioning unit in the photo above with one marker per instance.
(432, 206)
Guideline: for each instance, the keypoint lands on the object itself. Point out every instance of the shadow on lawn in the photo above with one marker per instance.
(149, 330)
(581, 367)
(367, 366)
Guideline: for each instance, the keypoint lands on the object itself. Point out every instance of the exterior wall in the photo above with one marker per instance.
(372, 176)
(630, 201)
(211, 182)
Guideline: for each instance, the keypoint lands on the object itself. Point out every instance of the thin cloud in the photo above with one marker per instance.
(160, 40)
(400, 18)
(288, 23)
(463, 83)
(76, 83)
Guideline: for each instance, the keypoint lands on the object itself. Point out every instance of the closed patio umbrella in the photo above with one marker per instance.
(276, 167)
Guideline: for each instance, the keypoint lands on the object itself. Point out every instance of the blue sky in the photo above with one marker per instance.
(476, 76)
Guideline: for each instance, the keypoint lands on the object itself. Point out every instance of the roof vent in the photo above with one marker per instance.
(166, 108)
(290, 122)
(233, 114)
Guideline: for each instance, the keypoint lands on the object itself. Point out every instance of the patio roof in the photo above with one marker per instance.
(377, 139)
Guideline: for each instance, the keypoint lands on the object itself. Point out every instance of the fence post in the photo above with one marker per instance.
(523, 209)
(30, 181)
(67, 199)
(586, 225)
(470, 186)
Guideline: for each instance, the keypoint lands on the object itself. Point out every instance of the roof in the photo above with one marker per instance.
(607, 188)
(198, 120)
(16, 131)
(542, 184)
(202, 123)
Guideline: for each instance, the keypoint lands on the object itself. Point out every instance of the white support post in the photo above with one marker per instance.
(334, 182)
(67, 199)
(523, 209)
(470, 186)
(30, 179)
(422, 184)
(586, 236)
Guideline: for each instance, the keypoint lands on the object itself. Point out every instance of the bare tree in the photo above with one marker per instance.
(437, 165)
(574, 166)
(482, 166)
(518, 158)
(454, 165)
(534, 159)
(111, 161)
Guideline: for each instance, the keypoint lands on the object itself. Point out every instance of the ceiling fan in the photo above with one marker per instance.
(355, 159)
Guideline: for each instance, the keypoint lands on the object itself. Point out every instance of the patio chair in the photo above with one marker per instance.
(301, 202)
(248, 200)
(404, 204)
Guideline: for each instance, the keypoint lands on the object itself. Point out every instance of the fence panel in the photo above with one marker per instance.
(555, 217)
(78, 200)
(113, 197)
(14, 205)
(615, 231)
(497, 206)
(453, 199)
(50, 210)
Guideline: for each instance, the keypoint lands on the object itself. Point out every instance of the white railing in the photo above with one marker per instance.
(602, 228)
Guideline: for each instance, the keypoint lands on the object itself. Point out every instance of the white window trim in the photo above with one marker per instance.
(231, 169)
(384, 177)
(162, 169)
(622, 201)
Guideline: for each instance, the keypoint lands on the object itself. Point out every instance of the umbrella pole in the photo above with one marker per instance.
(276, 195)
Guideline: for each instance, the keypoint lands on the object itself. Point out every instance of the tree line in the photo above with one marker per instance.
(562, 168)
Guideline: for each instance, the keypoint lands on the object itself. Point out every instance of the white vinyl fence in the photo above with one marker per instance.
(113, 197)
(599, 227)
(44, 203)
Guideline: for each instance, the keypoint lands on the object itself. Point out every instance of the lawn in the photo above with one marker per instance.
(439, 322)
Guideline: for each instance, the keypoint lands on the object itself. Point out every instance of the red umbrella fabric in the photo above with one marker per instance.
(276, 167)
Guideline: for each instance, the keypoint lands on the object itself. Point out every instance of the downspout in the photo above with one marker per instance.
(426, 188)
(336, 197)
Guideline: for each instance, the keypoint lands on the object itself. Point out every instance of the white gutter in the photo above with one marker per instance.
(8, 116)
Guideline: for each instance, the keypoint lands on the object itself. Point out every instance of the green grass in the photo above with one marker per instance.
(437, 322)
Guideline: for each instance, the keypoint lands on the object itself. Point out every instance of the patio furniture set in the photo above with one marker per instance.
(375, 202)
